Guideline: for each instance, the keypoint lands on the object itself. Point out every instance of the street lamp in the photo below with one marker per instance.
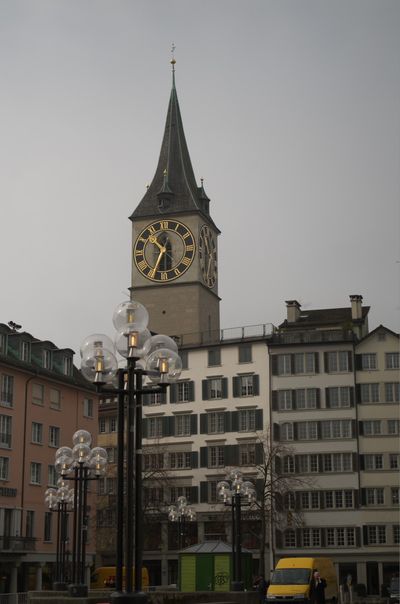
(60, 501)
(153, 359)
(181, 513)
(80, 464)
(236, 494)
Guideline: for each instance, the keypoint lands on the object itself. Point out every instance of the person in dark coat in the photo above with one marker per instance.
(317, 589)
(261, 585)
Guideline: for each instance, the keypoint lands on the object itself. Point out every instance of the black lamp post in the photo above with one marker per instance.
(60, 501)
(236, 494)
(148, 358)
(85, 464)
(181, 514)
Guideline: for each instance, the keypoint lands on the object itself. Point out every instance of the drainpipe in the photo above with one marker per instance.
(24, 453)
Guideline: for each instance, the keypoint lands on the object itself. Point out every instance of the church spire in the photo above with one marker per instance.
(173, 188)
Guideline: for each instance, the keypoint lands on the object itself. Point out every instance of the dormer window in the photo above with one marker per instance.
(47, 358)
(67, 365)
(25, 351)
(3, 343)
(163, 204)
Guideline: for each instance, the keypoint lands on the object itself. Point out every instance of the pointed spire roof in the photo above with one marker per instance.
(173, 188)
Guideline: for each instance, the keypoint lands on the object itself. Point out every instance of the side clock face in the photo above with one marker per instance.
(164, 250)
(208, 256)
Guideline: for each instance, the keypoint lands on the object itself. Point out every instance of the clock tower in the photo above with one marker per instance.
(174, 243)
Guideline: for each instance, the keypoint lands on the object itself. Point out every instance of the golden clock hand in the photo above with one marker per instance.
(160, 255)
(153, 239)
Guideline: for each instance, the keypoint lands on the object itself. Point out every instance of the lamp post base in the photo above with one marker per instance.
(237, 586)
(78, 590)
(134, 597)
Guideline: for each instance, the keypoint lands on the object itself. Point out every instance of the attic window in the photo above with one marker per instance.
(304, 316)
(163, 204)
(67, 365)
(47, 359)
(25, 351)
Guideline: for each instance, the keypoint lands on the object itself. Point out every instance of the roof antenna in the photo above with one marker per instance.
(173, 63)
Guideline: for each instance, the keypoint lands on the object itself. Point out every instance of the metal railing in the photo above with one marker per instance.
(263, 330)
(16, 598)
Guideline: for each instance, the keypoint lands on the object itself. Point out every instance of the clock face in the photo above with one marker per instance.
(208, 256)
(164, 250)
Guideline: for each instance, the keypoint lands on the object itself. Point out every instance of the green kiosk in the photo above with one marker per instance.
(208, 567)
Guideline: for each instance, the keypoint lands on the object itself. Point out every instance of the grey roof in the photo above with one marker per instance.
(323, 317)
(174, 182)
(214, 547)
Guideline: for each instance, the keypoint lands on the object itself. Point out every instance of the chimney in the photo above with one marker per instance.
(293, 311)
(356, 307)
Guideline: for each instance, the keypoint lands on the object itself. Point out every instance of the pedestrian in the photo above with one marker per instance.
(261, 585)
(317, 589)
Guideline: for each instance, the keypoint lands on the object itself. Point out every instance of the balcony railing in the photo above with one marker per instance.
(17, 544)
(313, 336)
(263, 330)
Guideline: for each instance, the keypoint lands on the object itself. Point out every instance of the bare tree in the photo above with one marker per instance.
(276, 483)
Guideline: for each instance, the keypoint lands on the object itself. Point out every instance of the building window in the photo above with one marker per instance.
(338, 428)
(309, 500)
(284, 364)
(246, 385)
(184, 355)
(4, 468)
(245, 353)
(394, 461)
(340, 537)
(113, 423)
(47, 526)
(396, 534)
(285, 400)
(307, 430)
(182, 425)
(3, 343)
(5, 431)
(392, 360)
(215, 388)
(153, 461)
(37, 433)
(306, 398)
(337, 362)
(288, 464)
(373, 461)
(290, 538)
(7, 390)
(372, 427)
(52, 476)
(155, 398)
(286, 431)
(176, 492)
(38, 394)
(392, 392)
(307, 464)
(369, 393)
(102, 425)
(55, 398)
(215, 422)
(214, 357)
(47, 358)
(247, 420)
(216, 458)
(395, 491)
(29, 524)
(54, 436)
(368, 361)
(393, 426)
(375, 496)
(67, 365)
(154, 427)
(180, 460)
(247, 454)
(304, 362)
(88, 407)
(338, 397)
(25, 352)
(183, 392)
(111, 454)
(337, 462)
(376, 534)
(36, 471)
(311, 537)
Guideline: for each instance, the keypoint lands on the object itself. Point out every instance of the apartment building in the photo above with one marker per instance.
(43, 401)
(338, 414)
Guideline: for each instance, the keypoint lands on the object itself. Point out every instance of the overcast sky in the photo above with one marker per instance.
(291, 114)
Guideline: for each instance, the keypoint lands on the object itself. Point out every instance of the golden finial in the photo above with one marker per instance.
(165, 172)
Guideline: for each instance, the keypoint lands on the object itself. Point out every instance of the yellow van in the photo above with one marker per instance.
(291, 580)
(104, 577)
